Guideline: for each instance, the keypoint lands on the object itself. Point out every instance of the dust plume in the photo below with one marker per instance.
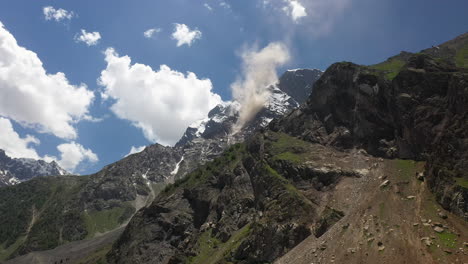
(258, 72)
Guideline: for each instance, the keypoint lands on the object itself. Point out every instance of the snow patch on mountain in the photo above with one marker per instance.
(280, 102)
(176, 169)
(220, 120)
(302, 69)
(13, 181)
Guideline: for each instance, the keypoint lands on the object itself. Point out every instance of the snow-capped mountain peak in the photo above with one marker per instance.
(288, 93)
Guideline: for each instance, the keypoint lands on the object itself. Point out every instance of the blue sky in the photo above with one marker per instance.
(324, 32)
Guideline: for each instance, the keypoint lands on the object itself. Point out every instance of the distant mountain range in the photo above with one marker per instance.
(14, 171)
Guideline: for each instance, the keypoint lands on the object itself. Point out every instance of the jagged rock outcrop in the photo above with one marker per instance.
(298, 83)
(347, 108)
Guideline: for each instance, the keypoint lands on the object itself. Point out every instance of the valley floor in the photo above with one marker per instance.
(84, 251)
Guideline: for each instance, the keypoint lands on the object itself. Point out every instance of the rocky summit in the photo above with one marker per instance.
(367, 164)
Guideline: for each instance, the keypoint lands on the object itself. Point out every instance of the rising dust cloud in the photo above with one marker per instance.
(258, 72)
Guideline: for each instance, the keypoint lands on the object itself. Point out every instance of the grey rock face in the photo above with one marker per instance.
(130, 177)
(299, 83)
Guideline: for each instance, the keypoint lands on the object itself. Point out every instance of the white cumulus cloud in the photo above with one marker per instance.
(150, 32)
(258, 72)
(295, 9)
(50, 13)
(134, 150)
(184, 35)
(89, 38)
(35, 98)
(163, 103)
(15, 146)
(72, 154)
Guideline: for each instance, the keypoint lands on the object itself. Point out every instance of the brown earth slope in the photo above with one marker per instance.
(386, 224)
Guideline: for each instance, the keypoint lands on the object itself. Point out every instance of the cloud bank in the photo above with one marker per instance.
(73, 154)
(258, 72)
(15, 146)
(184, 35)
(162, 103)
(89, 38)
(35, 98)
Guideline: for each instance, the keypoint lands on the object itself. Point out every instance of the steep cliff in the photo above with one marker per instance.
(421, 114)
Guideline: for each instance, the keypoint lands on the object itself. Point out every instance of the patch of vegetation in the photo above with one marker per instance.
(406, 168)
(228, 161)
(289, 202)
(289, 156)
(16, 207)
(285, 147)
(391, 68)
(448, 239)
(211, 250)
(462, 182)
(282, 141)
(283, 181)
(47, 201)
(6, 252)
(430, 206)
(461, 58)
(381, 210)
(106, 220)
